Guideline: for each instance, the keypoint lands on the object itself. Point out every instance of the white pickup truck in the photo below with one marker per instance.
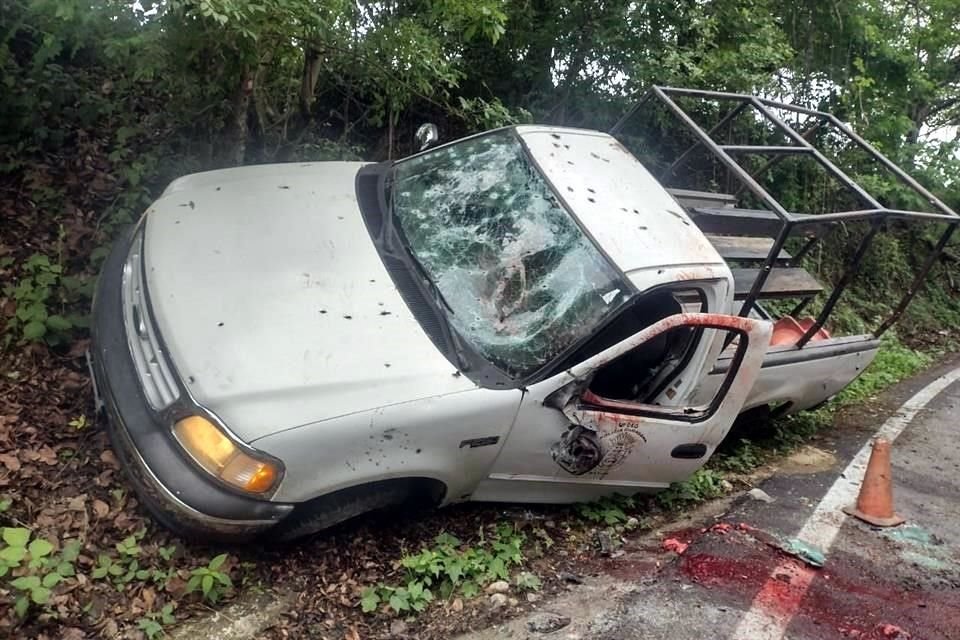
(524, 315)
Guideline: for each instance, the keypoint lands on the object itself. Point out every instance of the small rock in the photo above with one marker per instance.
(535, 597)
(631, 523)
(547, 622)
(572, 578)
(498, 600)
(761, 495)
(398, 628)
(726, 485)
(500, 586)
(457, 605)
(513, 602)
(605, 541)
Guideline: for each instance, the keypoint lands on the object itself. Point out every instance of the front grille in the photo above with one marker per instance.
(156, 376)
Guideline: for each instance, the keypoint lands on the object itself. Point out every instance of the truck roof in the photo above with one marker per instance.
(629, 214)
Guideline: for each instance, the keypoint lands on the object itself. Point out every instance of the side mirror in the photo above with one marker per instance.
(427, 135)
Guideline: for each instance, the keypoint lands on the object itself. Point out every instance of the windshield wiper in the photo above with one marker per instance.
(407, 255)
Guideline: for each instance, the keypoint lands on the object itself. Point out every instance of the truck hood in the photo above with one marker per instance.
(274, 305)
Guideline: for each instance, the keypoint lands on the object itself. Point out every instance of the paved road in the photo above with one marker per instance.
(732, 582)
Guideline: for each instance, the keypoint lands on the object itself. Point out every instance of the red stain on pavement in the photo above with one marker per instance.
(672, 544)
(847, 599)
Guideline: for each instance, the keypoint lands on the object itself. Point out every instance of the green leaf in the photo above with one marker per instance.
(223, 579)
(369, 599)
(40, 595)
(21, 606)
(12, 555)
(399, 602)
(58, 323)
(193, 583)
(25, 583)
(469, 588)
(206, 583)
(71, 550)
(34, 330)
(40, 548)
(16, 536)
(217, 562)
(151, 628)
(51, 579)
(65, 569)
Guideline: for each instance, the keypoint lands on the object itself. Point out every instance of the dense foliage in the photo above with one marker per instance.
(104, 101)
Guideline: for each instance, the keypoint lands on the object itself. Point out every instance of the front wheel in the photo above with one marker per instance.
(332, 509)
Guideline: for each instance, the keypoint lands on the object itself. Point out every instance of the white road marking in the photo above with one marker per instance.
(764, 621)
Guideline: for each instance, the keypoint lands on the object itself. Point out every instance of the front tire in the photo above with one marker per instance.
(332, 509)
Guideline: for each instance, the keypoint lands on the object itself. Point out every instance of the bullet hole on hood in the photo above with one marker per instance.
(570, 189)
(191, 379)
(386, 364)
(591, 200)
(218, 189)
(384, 313)
(590, 190)
(283, 186)
(219, 324)
(348, 317)
(322, 311)
(556, 136)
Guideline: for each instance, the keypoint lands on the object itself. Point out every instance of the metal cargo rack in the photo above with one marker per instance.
(716, 213)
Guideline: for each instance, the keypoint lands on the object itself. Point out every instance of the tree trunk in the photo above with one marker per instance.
(236, 147)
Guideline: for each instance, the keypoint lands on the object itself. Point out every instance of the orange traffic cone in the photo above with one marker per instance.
(875, 502)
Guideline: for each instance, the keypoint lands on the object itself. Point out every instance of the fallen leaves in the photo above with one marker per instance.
(101, 508)
(10, 461)
(108, 458)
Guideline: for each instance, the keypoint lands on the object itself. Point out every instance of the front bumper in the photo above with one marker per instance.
(176, 492)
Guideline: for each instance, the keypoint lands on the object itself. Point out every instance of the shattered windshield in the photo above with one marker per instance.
(522, 280)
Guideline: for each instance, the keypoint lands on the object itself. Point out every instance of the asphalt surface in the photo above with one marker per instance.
(733, 580)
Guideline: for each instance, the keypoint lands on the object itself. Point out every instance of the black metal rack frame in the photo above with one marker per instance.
(873, 211)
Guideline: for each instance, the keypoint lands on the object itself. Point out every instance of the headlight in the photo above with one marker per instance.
(216, 453)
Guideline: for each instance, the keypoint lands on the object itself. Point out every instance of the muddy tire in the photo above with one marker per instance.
(340, 506)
